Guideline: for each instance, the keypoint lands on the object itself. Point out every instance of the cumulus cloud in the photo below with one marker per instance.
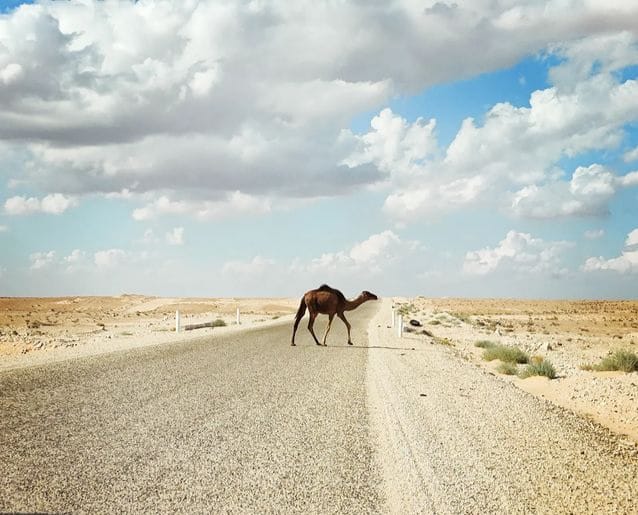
(594, 234)
(255, 267)
(175, 236)
(626, 263)
(233, 204)
(75, 257)
(120, 96)
(370, 256)
(52, 204)
(40, 260)
(631, 155)
(519, 252)
(632, 238)
(75, 260)
(510, 160)
(373, 254)
(587, 193)
(109, 258)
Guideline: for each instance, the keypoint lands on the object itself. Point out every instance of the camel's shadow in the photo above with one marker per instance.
(361, 347)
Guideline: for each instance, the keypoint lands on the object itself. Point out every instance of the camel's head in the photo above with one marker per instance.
(369, 296)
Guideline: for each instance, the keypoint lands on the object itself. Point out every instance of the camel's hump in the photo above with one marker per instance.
(325, 287)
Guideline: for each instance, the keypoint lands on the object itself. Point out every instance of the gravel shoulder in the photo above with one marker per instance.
(453, 438)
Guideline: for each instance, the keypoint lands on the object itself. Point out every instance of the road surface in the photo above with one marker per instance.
(247, 424)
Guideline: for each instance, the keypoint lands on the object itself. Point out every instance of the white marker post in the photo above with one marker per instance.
(238, 319)
(394, 316)
(400, 326)
(177, 321)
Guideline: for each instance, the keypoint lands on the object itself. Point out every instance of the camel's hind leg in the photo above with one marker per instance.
(342, 317)
(311, 322)
(328, 329)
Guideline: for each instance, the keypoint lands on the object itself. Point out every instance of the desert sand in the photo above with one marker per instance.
(38, 330)
(570, 334)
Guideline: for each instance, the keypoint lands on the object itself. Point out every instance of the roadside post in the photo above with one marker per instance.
(177, 321)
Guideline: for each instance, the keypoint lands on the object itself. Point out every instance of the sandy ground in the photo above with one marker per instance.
(39, 330)
(569, 334)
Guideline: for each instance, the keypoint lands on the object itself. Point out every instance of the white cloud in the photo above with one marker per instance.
(631, 155)
(587, 193)
(21, 205)
(519, 252)
(233, 204)
(40, 260)
(135, 91)
(149, 237)
(10, 73)
(75, 257)
(256, 267)
(632, 238)
(55, 204)
(373, 254)
(109, 258)
(75, 260)
(594, 234)
(626, 263)
(510, 160)
(175, 236)
(376, 253)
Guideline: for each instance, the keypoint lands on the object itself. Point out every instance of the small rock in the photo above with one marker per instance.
(415, 323)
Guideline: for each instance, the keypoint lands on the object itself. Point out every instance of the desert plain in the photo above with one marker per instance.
(569, 334)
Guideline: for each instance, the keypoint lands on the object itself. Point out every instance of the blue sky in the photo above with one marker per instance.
(220, 149)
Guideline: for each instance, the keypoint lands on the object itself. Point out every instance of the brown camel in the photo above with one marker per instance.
(327, 301)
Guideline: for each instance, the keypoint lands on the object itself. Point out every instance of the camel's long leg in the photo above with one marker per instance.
(343, 317)
(332, 315)
(311, 322)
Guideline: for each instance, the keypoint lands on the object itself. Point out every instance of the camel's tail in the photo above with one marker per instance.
(300, 313)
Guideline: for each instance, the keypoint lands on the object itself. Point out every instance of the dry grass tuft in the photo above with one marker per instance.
(539, 368)
(505, 353)
(508, 369)
(623, 360)
(485, 344)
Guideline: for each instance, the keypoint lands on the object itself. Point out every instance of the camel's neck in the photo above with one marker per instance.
(355, 303)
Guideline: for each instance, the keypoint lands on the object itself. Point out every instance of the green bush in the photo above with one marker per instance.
(620, 360)
(485, 344)
(539, 368)
(506, 354)
(219, 323)
(509, 369)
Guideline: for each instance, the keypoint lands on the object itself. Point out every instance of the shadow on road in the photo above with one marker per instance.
(362, 347)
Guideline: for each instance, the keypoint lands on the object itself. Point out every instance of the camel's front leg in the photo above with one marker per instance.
(342, 317)
(327, 329)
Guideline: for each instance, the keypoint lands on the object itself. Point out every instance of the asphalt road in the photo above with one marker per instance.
(241, 423)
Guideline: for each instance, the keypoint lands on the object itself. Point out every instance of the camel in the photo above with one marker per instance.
(328, 301)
